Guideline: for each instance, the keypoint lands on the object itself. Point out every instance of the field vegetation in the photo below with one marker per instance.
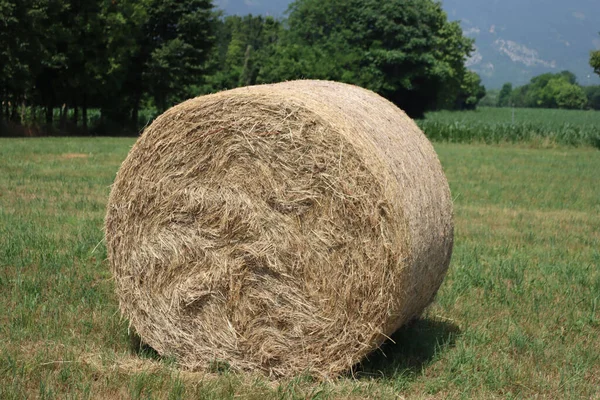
(517, 317)
(535, 126)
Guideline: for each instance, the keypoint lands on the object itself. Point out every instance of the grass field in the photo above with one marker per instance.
(537, 127)
(517, 317)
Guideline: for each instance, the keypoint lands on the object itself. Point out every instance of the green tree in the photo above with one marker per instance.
(571, 97)
(75, 54)
(243, 45)
(490, 99)
(124, 29)
(178, 36)
(519, 97)
(9, 61)
(471, 92)
(29, 32)
(595, 61)
(593, 96)
(405, 50)
(86, 53)
(157, 48)
(536, 96)
(568, 76)
(561, 91)
(550, 91)
(504, 96)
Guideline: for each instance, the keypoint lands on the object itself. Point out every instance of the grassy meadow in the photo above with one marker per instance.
(535, 126)
(518, 315)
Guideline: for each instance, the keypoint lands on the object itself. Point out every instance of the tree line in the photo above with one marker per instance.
(114, 56)
(559, 90)
(405, 50)
(108, 66)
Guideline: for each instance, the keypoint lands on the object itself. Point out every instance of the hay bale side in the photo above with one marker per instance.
(284, 228)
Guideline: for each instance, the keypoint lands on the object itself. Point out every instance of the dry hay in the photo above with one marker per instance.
(283, 228)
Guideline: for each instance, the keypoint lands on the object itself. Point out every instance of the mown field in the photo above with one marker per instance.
(517, 317)
(537, 127)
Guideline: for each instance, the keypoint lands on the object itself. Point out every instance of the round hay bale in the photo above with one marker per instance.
(287, 228)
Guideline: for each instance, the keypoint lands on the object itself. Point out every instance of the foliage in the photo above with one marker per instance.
(160, 48)
(569, 96)
(406, 51)
(123, 56)
(470, 93)
(548, 91)
(593, 96)
(595, 61)
(490, 99)
(74, 54)
(505, 95)
(410, 54)
(34, 52)
(244, 44)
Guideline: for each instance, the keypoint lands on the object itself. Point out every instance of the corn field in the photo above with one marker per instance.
(508, 125)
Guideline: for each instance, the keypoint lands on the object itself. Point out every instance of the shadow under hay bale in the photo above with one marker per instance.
(287, 228)
(411, 348)
(137, 346)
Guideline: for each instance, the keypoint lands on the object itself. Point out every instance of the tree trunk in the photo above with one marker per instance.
(135, 115)
(23, 111)
(14, 114)
(84, 119)
(135, 112)
(75, 115)
(2, 100)
(49, 116)
(64, 114)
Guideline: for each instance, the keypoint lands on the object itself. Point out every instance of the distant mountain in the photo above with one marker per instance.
(518, 39)
(515, 39)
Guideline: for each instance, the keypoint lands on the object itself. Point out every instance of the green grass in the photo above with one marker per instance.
(541, 127)
(518, 315)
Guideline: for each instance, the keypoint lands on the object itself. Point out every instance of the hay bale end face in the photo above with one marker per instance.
(287, 228)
